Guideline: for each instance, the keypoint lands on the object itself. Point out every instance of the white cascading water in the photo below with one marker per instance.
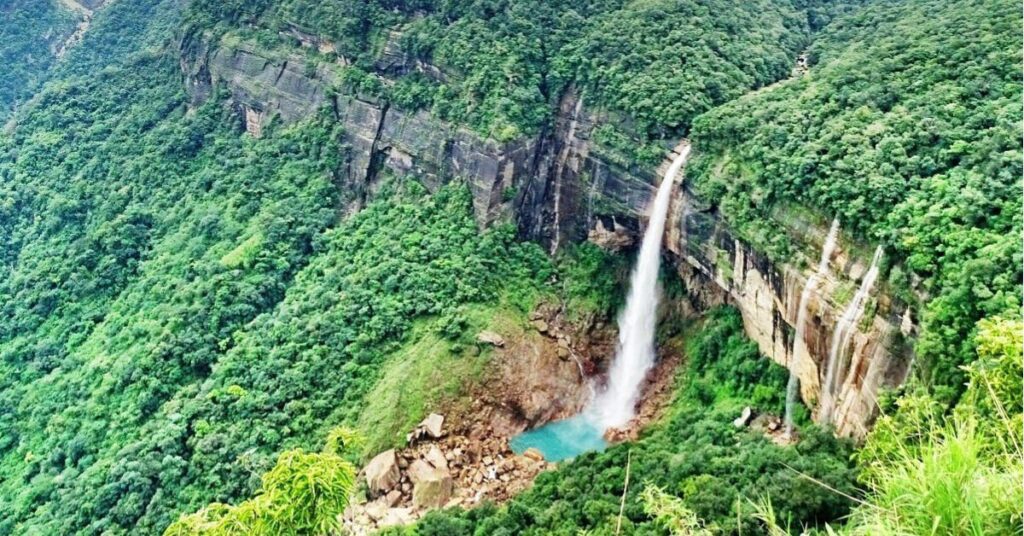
(793, 387)
(634, 357)
(842, 335)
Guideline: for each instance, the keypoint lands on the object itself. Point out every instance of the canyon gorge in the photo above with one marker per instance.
(510, 267)
(558, 187)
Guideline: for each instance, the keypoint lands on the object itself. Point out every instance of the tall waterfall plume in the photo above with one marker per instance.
(799, 345)
(842, 335)
(634, 357)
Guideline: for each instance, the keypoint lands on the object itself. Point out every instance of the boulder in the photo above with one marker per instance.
(396, 517)
(430, 427)
(744, 418)
(376, 510)
(534, 454)
(432, 487)
(382, 473)
(490, 337)
(393, 498)
(618, 435)
(436, 458)
(541, 326)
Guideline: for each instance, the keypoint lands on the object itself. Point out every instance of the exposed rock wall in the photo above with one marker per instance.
(287, 87)
(718, 268)
(543, 183)
(559, 187)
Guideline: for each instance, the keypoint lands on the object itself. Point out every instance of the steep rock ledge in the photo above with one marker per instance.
(267, 85)
(559, 187)
(542, 183)
(718, 268)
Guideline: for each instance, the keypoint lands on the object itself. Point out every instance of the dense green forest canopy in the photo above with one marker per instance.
(150, 344)
(31, 33)
(506, 63)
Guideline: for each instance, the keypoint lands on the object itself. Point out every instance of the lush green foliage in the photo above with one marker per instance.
(115, 292)
(725, 364)
(303, 494)
(664, 62)
(181, 303)
(908, 129)
(671, 512)
(959, 474)
(590, 280)
(184, 308)
(696, 454)
(31, 33)
(507, 63)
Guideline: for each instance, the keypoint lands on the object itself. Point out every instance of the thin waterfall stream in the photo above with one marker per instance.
(800, 349)
(615, 404)
(842, 336)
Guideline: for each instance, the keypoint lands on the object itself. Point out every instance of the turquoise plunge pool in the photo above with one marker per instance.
(562, 440)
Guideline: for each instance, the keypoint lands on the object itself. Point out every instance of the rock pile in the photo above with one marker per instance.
(439, 470)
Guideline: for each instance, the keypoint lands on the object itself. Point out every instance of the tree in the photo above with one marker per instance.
(303, 494)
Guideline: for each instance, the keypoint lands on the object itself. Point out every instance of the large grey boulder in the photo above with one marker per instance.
(382, 473)
(432, 487)
(430, 427)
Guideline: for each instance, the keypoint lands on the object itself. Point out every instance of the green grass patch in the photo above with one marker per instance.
(430, 370)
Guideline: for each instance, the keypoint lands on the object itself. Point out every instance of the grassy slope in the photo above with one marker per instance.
(430, 371)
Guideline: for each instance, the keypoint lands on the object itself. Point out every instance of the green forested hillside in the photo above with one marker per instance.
(30, 35)
(182, 305)
(507, 62)
(171, 301)
(907, 129)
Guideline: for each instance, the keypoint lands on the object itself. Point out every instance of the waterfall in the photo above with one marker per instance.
(793, 387)
(792, 390)
(634, 357)
(842, 335)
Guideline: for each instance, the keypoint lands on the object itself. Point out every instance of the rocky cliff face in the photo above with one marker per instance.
(542, 183)
(718, 268)
(559, 187)
(379, 138)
